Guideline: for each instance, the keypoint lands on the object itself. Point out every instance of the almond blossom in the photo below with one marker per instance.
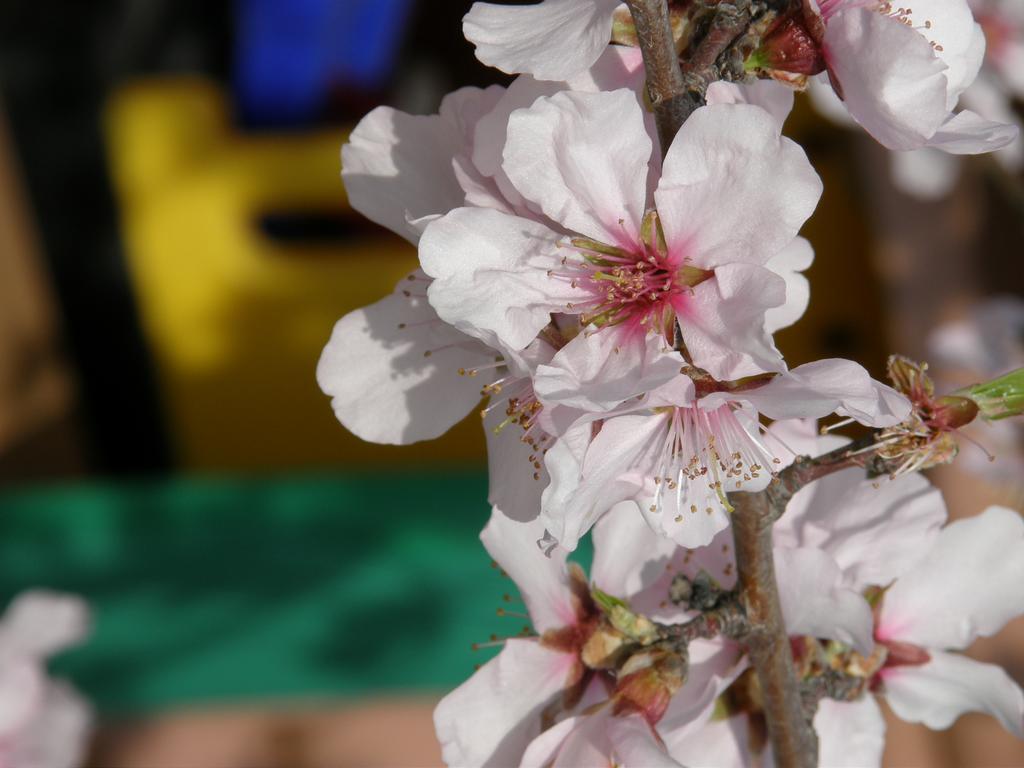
(933, 590)
(630, 273)
(580, 686)
(551, 40)
(679, 450)
(900, 71)
(44, 723)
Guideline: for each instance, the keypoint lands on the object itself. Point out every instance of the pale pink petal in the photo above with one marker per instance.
(723, 321)
(542, 578)
(969, 584)
(589, 743)
(876, 530)
(815, 601)
(827, 103)
(938, 692)
(967, 133)
(601, 368)
(714, 666)
(618, 67)
(491, 276)
(561, 155)
(927, 174)
(720, 743)
(40, 623)
(392, 369)
(628, 555)
(775, 98)
(22, 684)
(825, 386)
(584, 487)
(788, 264)
(733, 189)
(564, 462)
(637, 745)
(491, 718)
(551, 40)
(898, 99)
(397, 168)
(516, 472)
(59, 734)
(544, 749)
(851, 734)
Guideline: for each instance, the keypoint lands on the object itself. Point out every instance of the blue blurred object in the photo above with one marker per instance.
(290, 54)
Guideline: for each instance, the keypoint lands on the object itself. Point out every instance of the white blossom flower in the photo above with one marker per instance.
(900, 72)
(44, 723)
(551, 40)
(682, 448)
(541, 686)
(731, 197)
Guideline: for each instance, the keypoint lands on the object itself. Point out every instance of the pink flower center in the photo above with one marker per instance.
(641, 286)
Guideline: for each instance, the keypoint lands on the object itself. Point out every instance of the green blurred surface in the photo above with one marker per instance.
(229, 589)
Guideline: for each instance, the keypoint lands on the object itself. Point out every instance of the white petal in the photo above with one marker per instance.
(601, 368)
(816, 603)
(851, 734)
(827, 103)
(561, 155)
(719, 743)
(955, 38)
(564, 462)
(544, 749)
(59, 734)
(398, 167)
(938, 692)
(636, 745)
(21, 690)
(875, 530)
(723, 321)
(491, 718)
(966, 133)
(788, 264)
(927, 174)
(612, 469)
(825, 386)
(392, 369)
(551, 40)
(714, 666)
(491, 274)
(628, 555)
(515, 483)
(892, 82)
(732, 189)
(41, 623)
(968, 584)
(775, 98)
(542, 580)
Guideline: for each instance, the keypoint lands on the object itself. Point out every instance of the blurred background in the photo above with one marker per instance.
(175, 246)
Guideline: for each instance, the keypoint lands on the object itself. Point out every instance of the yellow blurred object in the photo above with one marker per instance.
(236, 320)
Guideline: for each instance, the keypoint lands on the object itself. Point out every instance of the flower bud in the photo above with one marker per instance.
(787, 47)
(634, 626)
(999, 398)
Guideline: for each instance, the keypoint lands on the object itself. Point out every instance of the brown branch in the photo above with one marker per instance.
(806, 469)
(665, 86)
(675, 91)
(794, 742)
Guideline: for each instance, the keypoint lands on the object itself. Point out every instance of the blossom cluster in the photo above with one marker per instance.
(612, 304)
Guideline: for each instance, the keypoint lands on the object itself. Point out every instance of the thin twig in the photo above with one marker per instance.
(665, 86)
(794, 742)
